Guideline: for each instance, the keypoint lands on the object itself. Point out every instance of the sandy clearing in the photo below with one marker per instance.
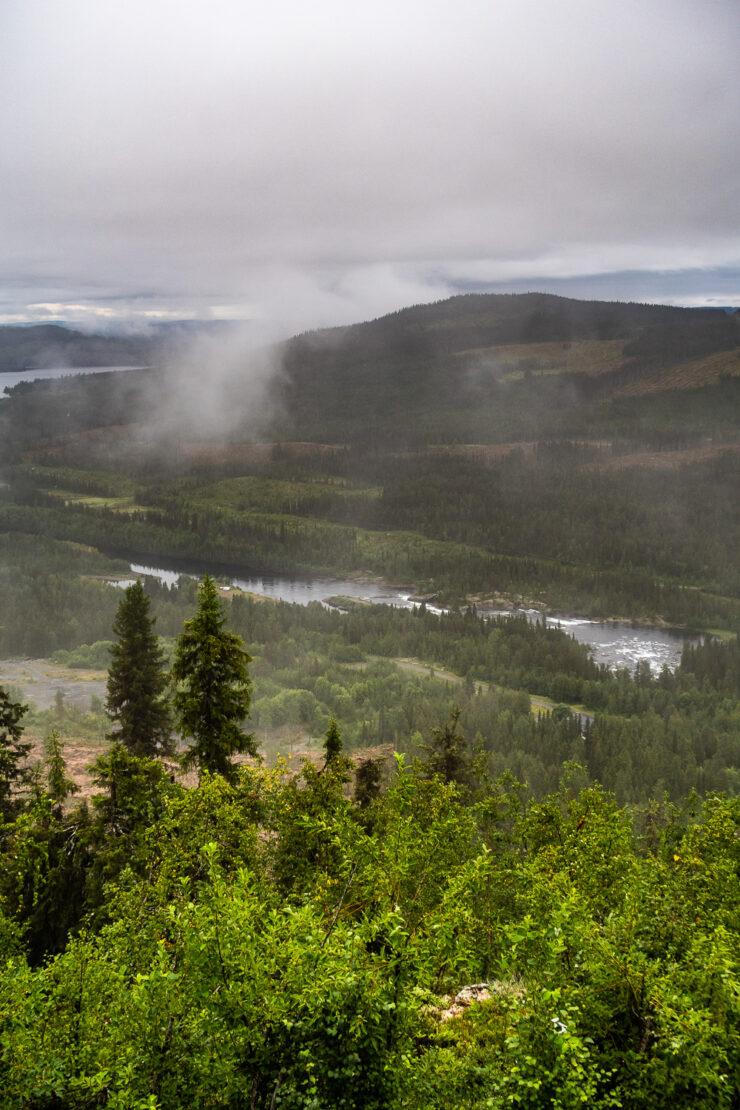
(39, 680)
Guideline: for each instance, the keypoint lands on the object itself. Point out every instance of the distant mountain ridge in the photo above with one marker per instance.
(47, 346)
(522, 318)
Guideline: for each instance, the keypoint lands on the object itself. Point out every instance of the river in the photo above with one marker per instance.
(616, 643)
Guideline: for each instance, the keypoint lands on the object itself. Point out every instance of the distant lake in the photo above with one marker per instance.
(13, 377)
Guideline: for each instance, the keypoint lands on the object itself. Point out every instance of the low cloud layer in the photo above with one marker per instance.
(212, 386)
(319, 163)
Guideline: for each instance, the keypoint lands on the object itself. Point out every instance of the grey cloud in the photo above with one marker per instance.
(330, 157)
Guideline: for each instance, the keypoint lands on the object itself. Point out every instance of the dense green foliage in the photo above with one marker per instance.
(270, 943)
(605, 545)
(39, 576)
(59, 785)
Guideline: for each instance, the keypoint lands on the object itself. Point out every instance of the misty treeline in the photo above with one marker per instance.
(569, 504)
(299, 939)
(673, 732)
(46, 410)
(572, 503)
(555, 529)
(391, 402)
(53, 346)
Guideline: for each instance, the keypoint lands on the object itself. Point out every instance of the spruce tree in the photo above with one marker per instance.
(59, 784)
(13, 753)
(137, 680)
(368, 776)
(448, 755)
(213, 690)
(332, 745)
(334, 759)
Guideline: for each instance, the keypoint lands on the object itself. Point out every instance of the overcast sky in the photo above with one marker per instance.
(312, 162)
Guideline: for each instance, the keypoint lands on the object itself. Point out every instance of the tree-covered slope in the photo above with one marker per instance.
(581, 455)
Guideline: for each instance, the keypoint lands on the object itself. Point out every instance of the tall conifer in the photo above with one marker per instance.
(59, 784)
(213, 691)
(448, 755)
(137, 680)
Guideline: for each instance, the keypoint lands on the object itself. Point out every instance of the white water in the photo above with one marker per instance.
(620, 644)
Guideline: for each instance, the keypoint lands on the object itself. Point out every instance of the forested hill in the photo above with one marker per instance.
(473, 922)
(454, 367)
(475, 319)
